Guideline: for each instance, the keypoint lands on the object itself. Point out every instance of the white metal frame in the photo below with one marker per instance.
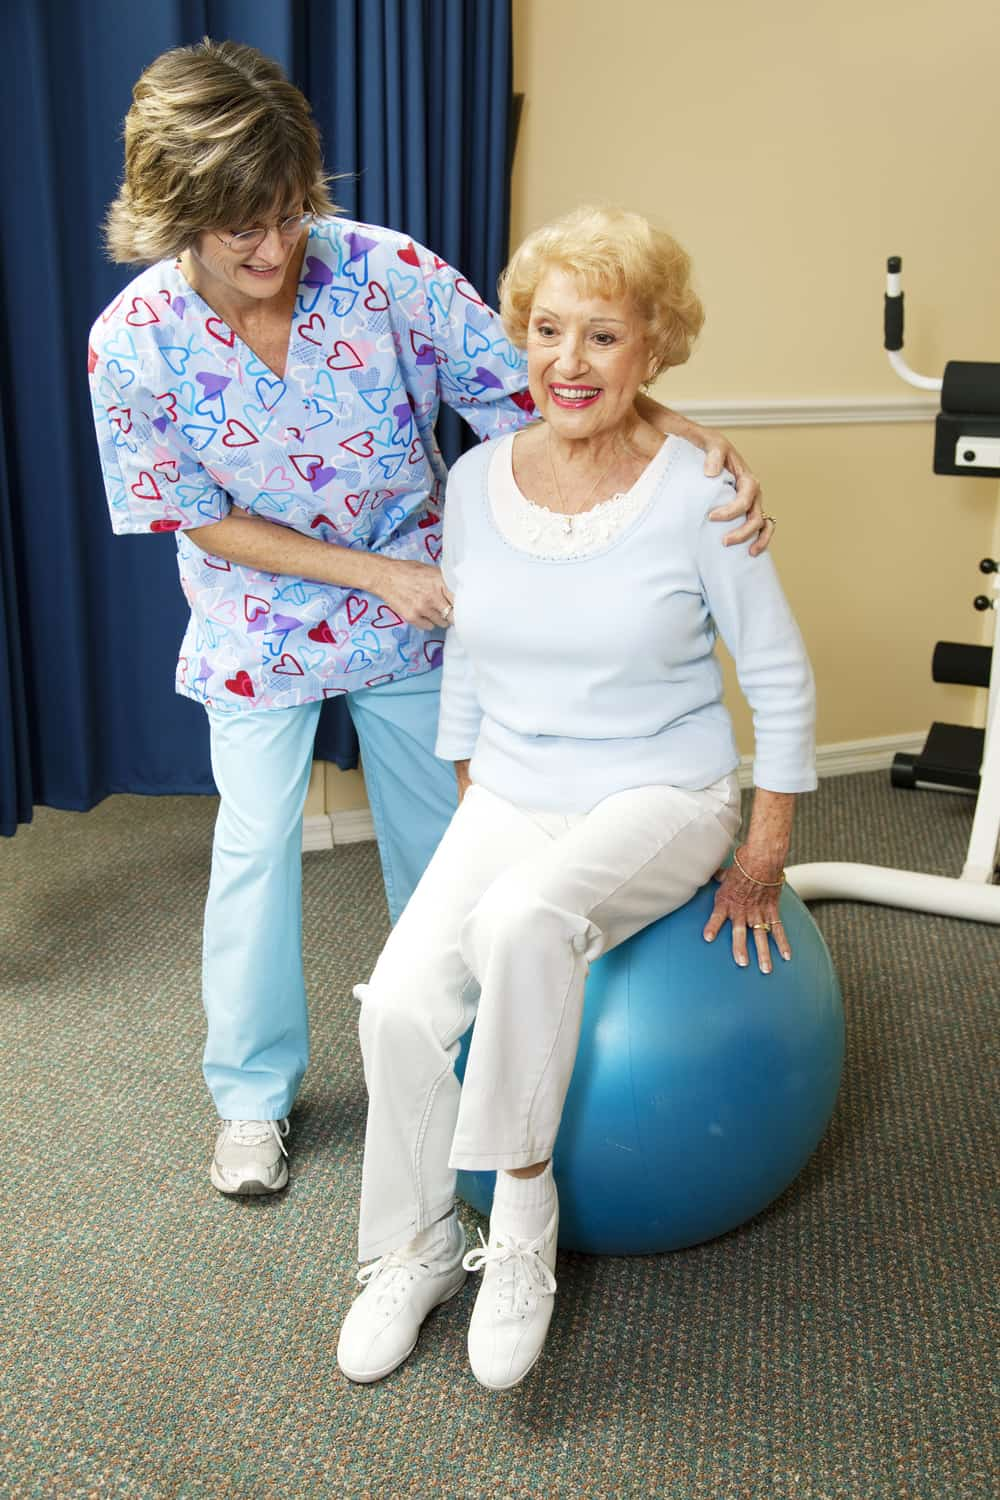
(973, 895)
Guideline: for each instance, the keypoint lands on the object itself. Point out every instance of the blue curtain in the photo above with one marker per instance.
(413, 98)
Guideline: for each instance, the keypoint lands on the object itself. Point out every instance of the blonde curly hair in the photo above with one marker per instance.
(216, 138)
(613, 253)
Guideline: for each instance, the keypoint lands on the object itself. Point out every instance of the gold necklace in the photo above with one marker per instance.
(568, 517)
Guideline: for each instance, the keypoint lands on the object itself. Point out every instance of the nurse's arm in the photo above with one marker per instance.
(416, 591)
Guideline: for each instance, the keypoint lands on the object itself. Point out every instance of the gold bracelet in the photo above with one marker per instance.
(771, 884)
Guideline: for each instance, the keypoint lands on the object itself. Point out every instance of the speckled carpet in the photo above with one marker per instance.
(159, 1340)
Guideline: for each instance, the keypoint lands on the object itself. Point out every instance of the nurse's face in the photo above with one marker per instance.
(251, 261)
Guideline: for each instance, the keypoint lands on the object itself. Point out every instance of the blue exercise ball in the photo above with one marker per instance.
(700, 1089)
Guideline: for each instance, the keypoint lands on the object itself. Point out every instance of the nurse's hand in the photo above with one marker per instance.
(414, 590)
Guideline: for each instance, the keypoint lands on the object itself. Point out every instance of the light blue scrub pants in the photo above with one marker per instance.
(253, 987)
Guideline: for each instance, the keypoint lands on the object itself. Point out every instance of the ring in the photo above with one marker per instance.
(446, 611)
(771, 519)
(761, 926)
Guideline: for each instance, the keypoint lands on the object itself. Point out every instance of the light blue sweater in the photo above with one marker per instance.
(568, 680)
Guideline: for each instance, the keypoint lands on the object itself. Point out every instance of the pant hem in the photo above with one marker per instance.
(372, 1249)
(498, 1161)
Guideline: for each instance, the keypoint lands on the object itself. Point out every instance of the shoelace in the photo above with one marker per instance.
(523, 1277)
(255, 1132)
(393, 1274)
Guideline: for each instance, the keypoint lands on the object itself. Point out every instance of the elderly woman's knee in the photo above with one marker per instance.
(512, 915)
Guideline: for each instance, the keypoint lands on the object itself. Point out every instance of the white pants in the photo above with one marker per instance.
(511, 911)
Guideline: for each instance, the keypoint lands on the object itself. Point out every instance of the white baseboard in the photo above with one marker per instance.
(354, 825)
(348, 826)
(848, 756)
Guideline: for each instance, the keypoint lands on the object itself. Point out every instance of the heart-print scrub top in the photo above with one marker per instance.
(190, 422)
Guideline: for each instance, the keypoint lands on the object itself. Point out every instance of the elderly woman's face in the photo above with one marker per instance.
(587, 357)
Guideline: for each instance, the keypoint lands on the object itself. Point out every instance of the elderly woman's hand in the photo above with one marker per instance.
(720, 454)
(749, 897)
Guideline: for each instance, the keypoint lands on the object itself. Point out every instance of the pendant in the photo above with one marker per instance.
(567, 524)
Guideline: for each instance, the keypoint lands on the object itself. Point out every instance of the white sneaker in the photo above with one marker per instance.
(250, 1156)
(514, 1307)
(400, 1289)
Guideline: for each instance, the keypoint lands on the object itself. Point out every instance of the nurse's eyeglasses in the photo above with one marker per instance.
(249, 239)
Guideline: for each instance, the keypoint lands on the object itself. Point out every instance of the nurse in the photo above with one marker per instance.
(266, 389)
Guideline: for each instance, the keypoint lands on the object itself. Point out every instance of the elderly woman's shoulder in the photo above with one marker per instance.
(469, 471)
(687, 473)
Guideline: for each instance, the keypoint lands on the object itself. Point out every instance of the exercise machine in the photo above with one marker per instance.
(955, 757)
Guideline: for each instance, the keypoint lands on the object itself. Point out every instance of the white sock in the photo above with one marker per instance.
(440, 1240)
(523, 1206)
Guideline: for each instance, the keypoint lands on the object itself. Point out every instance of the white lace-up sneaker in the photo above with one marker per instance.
(514, 1307)
(250, 1156)
(400, 1289)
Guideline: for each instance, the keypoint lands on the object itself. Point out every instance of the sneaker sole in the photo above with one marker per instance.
(373, 1375)
(251, 1188)
(508, 1385)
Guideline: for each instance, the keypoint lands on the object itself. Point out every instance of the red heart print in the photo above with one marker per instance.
(323, 634)
(306, 464)
(231, 437)
(377, 299)
(360, 499)
(321, 520)
(385, 618)
(109, 312)
(220, 564)
(416, 452)
(429, 520)
(432, 651)
(122, 418)
(361, 443)
(344, 357)
(524, 400)
(253, 607)
(356, 609)
(470, 294)
(432, 541)
(314, 321)
(420, 342)
(409, 255)
(287, 666)
(91, 359)
(240, 685)
(169, 403)
(141, 314)
(164, 525)
(228, 337)
(146, 487)
(334, 692)
(170, 470)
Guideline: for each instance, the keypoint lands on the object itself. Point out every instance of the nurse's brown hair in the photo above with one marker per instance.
(216, 138)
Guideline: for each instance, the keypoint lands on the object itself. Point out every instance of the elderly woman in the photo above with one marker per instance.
(582, 705)
(266, 390)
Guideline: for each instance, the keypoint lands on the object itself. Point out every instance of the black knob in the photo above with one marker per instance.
(988, 565)
(981, 602)
(969, 455)
(894, 264)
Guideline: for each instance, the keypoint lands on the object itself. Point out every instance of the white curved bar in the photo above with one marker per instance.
(837, 881)
(902, 369)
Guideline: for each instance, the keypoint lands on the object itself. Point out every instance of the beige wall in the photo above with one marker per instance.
(792, 148)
